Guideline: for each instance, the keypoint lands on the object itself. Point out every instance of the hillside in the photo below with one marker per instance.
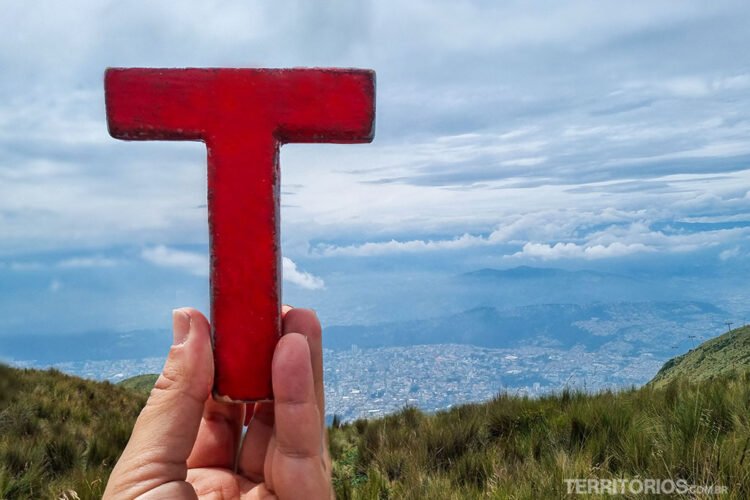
(60, 433)
(719, 356)
(514, 447)
(141, 384)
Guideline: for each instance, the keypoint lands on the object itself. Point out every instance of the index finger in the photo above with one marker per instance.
(297, 468)
(305, 321)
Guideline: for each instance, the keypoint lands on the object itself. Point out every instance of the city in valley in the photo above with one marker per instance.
(377, 381)
(439, 362)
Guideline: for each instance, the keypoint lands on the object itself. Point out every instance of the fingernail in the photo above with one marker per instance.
(180, 326)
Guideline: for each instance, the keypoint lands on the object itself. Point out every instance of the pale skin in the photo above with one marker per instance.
(186, 445)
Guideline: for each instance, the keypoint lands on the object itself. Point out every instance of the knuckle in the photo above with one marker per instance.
(173, 383)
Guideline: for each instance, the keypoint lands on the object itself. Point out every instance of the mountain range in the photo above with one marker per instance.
(650, 325)
(498, 308)
(560, 325)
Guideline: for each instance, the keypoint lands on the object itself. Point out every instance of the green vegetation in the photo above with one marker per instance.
(60, 433)
(514, 447)
(140, 383)
(723, 355)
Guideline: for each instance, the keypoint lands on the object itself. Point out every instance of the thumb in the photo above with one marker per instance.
(167, 427)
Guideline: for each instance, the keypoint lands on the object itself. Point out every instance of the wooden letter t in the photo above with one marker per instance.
(243, 116)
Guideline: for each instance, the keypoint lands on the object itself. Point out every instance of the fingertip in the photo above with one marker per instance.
(190, 360)
(196, 317)
(180, 326)
(303, 321)
(189, 323)
(296, 413)
(292, 376)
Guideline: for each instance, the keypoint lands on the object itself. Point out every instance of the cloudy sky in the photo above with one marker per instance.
(572, 134)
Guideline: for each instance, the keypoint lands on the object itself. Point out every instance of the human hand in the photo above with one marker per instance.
(186, 445)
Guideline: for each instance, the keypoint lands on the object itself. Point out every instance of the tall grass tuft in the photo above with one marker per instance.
(49, 425)
(516, 447)
(60, 437)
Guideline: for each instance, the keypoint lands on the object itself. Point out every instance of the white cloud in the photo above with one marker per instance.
(191, 262)
(300, 278)
(695, 86)
(69, 263)
(393, 246)
(517, 139)
(564, 234)
(525, 162)
(55, 286)
(198, 264)
(713, 219)
(87, 262)
(729, 253)
(687, 87)
(26, 266)
(515, 229)
(558, 251)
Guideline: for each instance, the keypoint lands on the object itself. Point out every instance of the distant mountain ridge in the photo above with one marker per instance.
(497, 308)
(562, 325)
(530, 272)
(724, 355)
(558, 325)
(526, 285)
(89, 346)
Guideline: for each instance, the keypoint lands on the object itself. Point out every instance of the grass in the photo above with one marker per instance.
(140, 383)
(723, 355)
(60, 434)
(513, 447)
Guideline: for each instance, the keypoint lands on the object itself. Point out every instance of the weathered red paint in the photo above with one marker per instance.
(243, 116)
